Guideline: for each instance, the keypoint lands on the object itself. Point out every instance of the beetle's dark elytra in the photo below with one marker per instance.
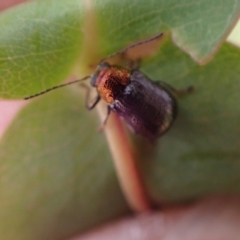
(149, 108)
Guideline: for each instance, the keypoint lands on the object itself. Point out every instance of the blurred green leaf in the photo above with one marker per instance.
(57, 177)
(200, 154)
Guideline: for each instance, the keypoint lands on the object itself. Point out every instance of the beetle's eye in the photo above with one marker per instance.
(94, 78)
(98, 70)
(103, 65)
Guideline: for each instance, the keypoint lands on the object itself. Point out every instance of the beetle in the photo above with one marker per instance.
(148, 107)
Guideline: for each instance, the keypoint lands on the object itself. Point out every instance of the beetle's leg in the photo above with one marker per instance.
(89, 105)
(183, 91)
(105, 120)
(176, 92)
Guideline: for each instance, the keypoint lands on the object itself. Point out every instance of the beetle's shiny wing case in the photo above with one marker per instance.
(147, 107)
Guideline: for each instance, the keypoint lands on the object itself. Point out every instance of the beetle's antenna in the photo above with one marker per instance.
(132, 46)
(55, 87)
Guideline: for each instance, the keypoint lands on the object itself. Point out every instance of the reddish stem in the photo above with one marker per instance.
(125, 162)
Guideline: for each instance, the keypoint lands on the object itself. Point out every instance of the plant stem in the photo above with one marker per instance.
(125, 162)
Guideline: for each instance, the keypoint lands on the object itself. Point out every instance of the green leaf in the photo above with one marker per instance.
(40, 43)
(57, 177)
(200, 154)
(197, 27)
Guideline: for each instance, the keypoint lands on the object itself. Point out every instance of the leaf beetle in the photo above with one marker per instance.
(148, 107)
